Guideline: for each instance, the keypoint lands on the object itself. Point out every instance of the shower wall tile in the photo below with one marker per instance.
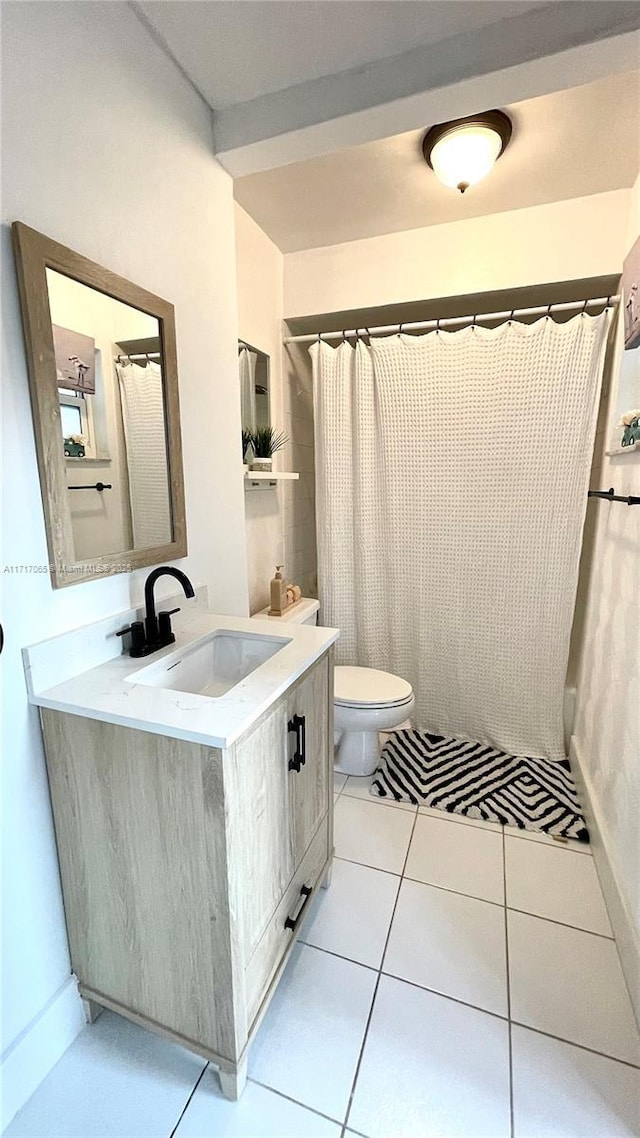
(303, 458)
(300, 428)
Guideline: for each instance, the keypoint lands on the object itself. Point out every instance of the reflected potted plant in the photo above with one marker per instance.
(74, 446)
(265, 442)
(631, 423)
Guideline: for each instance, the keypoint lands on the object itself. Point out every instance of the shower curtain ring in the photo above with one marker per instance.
(513, 312)
(584, 308)
(473, 322)
(438, 324)
(548, 312)
(400, 327)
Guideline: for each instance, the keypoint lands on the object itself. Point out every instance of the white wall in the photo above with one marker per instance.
(562, 241)
(607, 715)
(107, 149)
(260, 286)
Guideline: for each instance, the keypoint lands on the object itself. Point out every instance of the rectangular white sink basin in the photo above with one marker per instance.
(212, 666)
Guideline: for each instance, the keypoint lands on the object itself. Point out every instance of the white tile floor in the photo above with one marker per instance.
(419, 1005)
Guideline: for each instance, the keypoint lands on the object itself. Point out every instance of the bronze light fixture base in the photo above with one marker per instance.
(494, 120)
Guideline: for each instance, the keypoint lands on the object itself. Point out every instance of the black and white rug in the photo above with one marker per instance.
(481, 782)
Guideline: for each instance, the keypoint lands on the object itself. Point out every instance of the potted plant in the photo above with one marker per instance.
(246, 443)
(265, 442)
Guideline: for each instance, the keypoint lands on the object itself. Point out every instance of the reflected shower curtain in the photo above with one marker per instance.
(452, 473)
(142, 400)
(247, 372)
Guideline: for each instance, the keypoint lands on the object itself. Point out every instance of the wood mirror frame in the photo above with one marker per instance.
(34, 254)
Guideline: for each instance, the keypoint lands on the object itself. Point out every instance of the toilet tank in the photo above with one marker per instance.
(304, 611)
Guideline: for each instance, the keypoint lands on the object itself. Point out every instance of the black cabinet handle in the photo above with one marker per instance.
(298, 725)
(293, 922)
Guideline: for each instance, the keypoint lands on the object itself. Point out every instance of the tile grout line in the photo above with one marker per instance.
(445, 996)
(186, 1105)
(466, 1004)
(338, 955)
(580, 1046)
(572, 845)
(508, 979)
(350, 861)
(295, 1101)
(561, 924)
(474, 897)
(377, 985)
(362, 1047)
(456, 892)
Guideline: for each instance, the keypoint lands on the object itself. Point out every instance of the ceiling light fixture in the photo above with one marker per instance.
(463, 151)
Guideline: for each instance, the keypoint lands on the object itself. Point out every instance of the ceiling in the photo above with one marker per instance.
(575, 142)
(238, 50)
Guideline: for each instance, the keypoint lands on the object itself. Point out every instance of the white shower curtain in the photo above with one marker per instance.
(452, 473)
(142, 400)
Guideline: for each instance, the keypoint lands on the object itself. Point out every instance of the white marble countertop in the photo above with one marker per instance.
(105, 692)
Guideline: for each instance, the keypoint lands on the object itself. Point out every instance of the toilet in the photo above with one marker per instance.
(366, 701)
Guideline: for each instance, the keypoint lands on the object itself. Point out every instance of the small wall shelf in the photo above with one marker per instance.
(267, 480)
(72, 461)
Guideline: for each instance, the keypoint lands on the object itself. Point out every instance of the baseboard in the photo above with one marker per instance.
(624, 929)
(30, 1059)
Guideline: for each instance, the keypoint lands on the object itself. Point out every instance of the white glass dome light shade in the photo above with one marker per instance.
(465, 156)
(463, 152)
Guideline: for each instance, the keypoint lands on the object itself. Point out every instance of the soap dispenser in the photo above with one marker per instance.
(278, 593)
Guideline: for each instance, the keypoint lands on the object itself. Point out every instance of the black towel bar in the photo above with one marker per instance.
(611, 496)
(99, 486)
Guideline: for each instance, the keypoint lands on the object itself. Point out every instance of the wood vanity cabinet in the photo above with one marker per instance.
(187, 869)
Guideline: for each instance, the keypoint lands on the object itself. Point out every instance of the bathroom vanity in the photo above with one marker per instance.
(193, 808)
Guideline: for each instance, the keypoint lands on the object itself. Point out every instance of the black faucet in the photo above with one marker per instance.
(156, 632)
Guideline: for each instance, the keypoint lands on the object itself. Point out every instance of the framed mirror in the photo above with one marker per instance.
(253, 374)
(103, 377)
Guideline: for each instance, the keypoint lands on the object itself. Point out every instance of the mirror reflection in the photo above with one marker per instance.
(109, 373)
(253, 371)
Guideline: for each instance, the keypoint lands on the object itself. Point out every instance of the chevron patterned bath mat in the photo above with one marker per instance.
(481, 782)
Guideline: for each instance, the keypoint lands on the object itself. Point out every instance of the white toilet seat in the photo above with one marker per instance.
(366, 701)
(369, 688)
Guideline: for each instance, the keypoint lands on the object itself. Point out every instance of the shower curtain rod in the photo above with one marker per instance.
(138, 356)
(509, 313)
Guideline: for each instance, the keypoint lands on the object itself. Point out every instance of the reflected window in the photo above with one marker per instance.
(71, 420)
